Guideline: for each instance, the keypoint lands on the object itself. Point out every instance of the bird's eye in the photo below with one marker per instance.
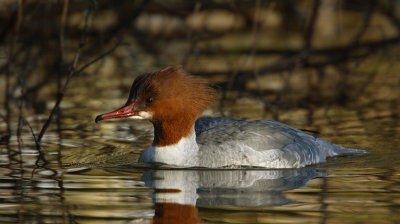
(150, 99)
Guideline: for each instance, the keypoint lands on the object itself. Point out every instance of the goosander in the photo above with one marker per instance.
(173, 100)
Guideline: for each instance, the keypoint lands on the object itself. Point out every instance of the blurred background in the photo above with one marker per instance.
(265, 55)
(330, 67)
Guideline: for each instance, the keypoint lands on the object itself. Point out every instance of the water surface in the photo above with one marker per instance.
(87, 173)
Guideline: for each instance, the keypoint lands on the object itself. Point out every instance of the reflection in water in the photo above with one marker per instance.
(55, 195)
(359, 189)
(181, 191)
(250, 188)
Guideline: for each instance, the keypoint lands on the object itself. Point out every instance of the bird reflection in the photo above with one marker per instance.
(178, 193)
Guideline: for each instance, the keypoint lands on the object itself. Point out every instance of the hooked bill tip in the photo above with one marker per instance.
(98, 118)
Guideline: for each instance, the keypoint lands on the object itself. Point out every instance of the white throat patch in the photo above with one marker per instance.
(143, 115)
(146, 114)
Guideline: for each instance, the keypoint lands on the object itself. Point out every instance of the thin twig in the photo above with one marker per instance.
(60, 61)
(7, 104)
(311, 25)
(73, 72)
(41, 155)
(32, 132)
(8, 67)
(126, 22)
(231, 80)
(392, 14)
(366, 21)
(21, 77)
(256, 39)
(8, 24)
(340, 55)
(62, 28)
(326, 51)
(70, 75)
(19, 129)
(192, 41)
(97, 58)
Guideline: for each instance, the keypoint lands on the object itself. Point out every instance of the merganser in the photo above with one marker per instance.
(173, 100)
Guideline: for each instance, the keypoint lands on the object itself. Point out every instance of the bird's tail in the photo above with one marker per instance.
(334, 150)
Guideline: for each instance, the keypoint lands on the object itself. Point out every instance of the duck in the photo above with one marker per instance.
(173, 100)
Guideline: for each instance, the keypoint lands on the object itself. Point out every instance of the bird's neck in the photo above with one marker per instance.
(172, 131)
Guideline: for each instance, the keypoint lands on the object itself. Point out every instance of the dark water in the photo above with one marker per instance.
(86, 173)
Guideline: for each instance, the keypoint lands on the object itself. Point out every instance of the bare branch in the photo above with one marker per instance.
(98, 58)
(366, 21)
(72, 72)
(310, 28)
(333, 56)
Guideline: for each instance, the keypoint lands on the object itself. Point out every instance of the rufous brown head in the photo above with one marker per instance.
(165, 95)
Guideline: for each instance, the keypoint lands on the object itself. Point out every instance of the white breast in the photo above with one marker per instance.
(183, 153)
